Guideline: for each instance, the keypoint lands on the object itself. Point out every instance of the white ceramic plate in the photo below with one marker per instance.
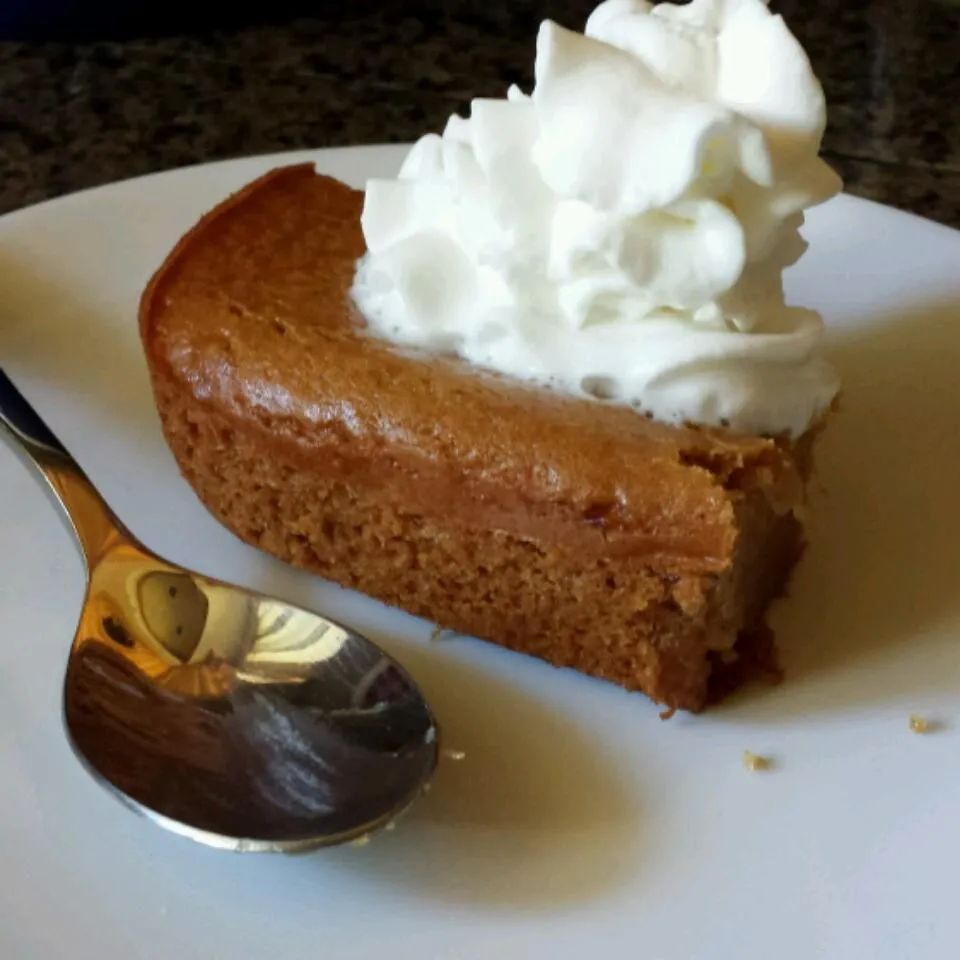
(579, 824)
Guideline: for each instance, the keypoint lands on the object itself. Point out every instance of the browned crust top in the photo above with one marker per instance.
(251, 313)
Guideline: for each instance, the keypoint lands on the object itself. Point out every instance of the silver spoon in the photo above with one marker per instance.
(229, 717)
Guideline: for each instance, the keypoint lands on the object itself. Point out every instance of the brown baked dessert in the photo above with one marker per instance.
(571, 529)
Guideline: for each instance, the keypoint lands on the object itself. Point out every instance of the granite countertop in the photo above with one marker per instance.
(76, 114)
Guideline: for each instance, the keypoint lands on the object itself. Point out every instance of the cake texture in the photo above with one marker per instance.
(571, 529)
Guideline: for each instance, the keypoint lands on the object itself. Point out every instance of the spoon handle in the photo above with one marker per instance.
(90, 518)
(23, 421)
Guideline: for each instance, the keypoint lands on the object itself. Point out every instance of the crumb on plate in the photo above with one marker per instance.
(753, 761)
(920, 724)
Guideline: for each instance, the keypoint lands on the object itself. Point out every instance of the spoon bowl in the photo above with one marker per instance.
(230, 717)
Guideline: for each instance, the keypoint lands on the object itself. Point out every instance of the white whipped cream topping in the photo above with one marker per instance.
(622, 232)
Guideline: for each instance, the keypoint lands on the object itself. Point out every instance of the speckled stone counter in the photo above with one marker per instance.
(73, 115)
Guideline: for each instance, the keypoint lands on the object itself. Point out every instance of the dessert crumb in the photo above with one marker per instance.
(437, 633)
(454, 754)
(361, 841)
(753, 761)
(920, 724)
(392, 825)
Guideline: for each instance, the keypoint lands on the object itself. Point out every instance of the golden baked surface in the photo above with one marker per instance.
(578, 531)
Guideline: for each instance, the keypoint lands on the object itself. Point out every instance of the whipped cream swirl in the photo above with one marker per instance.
(622, 232)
